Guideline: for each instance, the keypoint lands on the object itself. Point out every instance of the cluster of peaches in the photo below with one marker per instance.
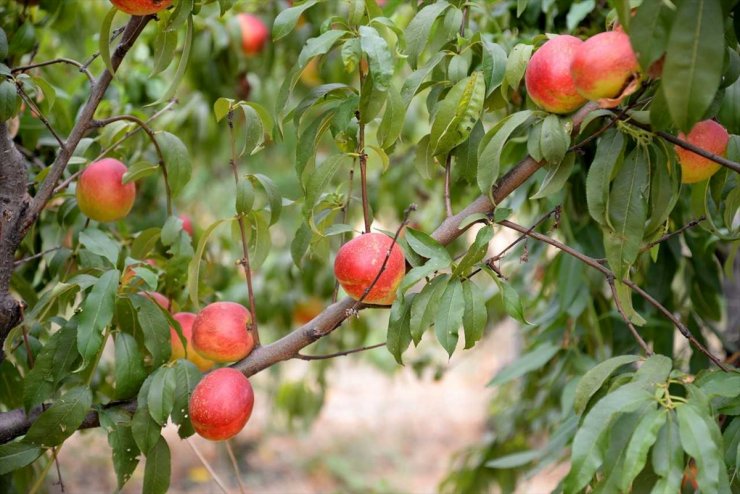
(565, 72)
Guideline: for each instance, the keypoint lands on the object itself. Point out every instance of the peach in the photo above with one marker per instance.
(254, 33)
(186, 320)
(709, 136)
(220, 332)
(101, 193)
(187, 224)
(141, 7)
(305, 310)
(548, 80)
(603, 65)
(359, 261)
(159, 299)
(221, 404)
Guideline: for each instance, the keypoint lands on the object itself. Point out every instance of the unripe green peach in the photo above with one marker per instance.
(359, 261)
(603, 65)
(221, 404)
(220, 332)
(141, 7)
(101, 193)
(709, 136)
(548, 80)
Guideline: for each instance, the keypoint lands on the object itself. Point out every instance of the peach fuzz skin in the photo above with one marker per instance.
(603, 65)
(186, 320)
(358, 263)
(254, 33)
(220, 332)
(711, 137)
(101, 193)
(548, 79)
(141, 7)
(221, 404)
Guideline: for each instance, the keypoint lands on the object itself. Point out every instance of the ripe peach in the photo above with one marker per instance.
(254, 33)
(603, 65)
(159, 299)
(548, 79)
(220, 332)
(186, 320)
(709, 136)
(141, 7)
(359, 261)
(221, 404)
(101, 194)
(187, 223)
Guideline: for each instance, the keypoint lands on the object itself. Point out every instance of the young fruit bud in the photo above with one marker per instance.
(101, 193)
(221, 404)
(186, 320)
(358, 263)
(220, 332)
(548, 80)
(141, 7)
(709, 136)
(603, 65)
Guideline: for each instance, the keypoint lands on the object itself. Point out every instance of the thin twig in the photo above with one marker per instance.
(345, 216)
(448, 172)
(120, 141)
(150, 133)
(363, 162)
(620, 309)
(42, 476)
(35, 109)
(339, 354)
(77, 64)
(207, 465)
(35, 256)
(235, 464)
(720, 160)
(253, 328)
(607, 272)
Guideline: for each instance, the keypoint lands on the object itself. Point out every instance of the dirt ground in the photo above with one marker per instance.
(377, 433)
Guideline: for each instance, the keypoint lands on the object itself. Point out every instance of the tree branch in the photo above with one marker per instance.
(338, 354)
(69, 61)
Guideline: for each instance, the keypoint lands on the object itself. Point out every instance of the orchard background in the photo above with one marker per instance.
(413, 120)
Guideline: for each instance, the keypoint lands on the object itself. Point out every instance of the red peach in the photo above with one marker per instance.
(548, 79)
(101, 193)
(187, 223)
(159, 299)
(709, 136)
(141, 7)
(221, 404)
(186, 320)
(359, 261)
(603, 65)
(220, 332)
(254, 33)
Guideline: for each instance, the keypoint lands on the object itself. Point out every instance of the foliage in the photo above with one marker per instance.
(430, 96)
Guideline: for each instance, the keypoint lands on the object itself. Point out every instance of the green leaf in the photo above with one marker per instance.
(579, 11)
(194, 265)
(3, 45)
(222, 107)
(181, 66)
(155, 327)
(413, 81)
(186, 376)
(171, 230)
(554, 139)
(104, 39)
(556, 177)
(655, 370)
(697, 441)
(157, 469)
(399, 335)
(129, 369)
(165, 44)
(177, 161)
(301, 242)
(609, 156)
(319, 181)
(139, 170)
(664, 189)
(667, 457)
(144, 243)
(122, 443)
(244, 197)
(426, 246)
(10, 103)
(457, 113)
(513, 460)
(475, 316)
(476, 252)
(179, 15)
(419, 29)
(146, 431)
(533, 360)
(491, 146)
(595, 378)
(100, 244)
(627, 213)
(425, 305)
(274, 198)
(319, 46)
(391, 124)
(512, 301)
(379, 57)
(14, 456)
(649, 31)
(97, 312)
(161, 395)
(450, 315)
(642, 439)
(62, 419)
(287, 19)
(516, 64)
(693, 62)
(493, 65)
(587, 455)
(253, 131)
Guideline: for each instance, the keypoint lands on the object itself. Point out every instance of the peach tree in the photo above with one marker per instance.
(571, 166)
